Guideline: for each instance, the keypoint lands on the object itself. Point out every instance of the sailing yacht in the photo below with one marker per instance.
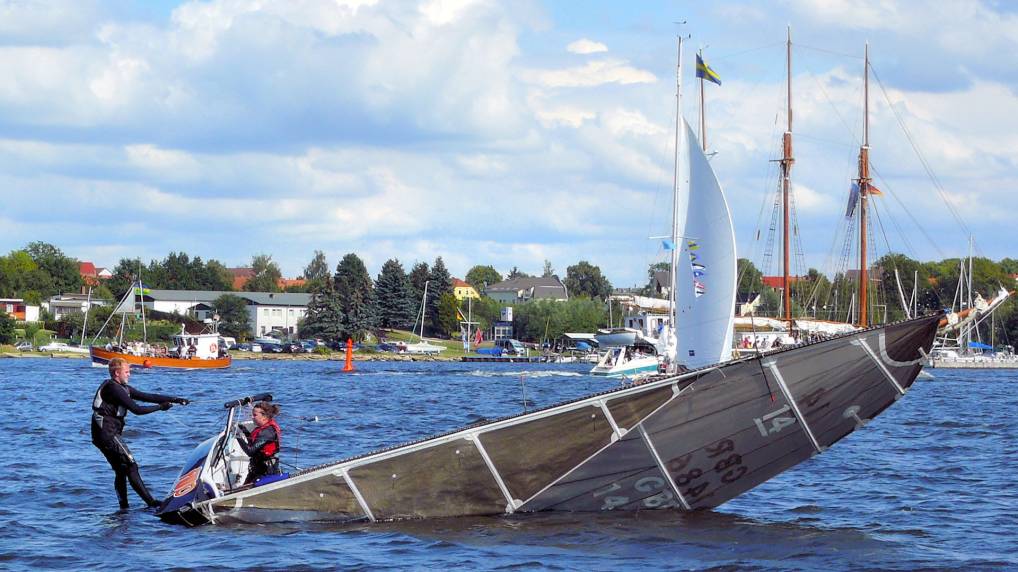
(703, 267)
(422, 346)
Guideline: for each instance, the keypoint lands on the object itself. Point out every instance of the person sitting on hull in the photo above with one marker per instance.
(262, 443)
(112, 401)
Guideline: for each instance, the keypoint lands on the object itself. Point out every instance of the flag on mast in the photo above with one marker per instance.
(703, 71)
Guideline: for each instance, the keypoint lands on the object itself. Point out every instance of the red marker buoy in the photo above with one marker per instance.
(349, 355)
(146, 364)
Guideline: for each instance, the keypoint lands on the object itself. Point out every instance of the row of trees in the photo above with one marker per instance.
(350, 304)
(36, 272)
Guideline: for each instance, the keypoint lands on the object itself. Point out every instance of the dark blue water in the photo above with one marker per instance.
(929, 484)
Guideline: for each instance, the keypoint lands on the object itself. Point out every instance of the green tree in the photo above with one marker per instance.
(549, 270)
(440, 284)
(62, 269)
(6, 329)
(750, 279)
(18, 272)
(324, 318)
(419, 275)
(481, 276)
(234, 320)
(653, 269)
(266, 275)
(809, 290)
(355, 293)
(547, 319)
(392, 294)
(317, 271)
(585, 279)
(446, 312)
(216, 277)
(1009, 266)
(124, 274)
(516, 273)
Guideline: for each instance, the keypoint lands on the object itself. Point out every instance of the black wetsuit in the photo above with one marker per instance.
(109, 408)
(262, 452)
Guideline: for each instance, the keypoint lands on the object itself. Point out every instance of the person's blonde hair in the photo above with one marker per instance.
(116, 363)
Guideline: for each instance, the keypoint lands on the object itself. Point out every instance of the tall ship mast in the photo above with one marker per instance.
(786, 182)
(864, 186)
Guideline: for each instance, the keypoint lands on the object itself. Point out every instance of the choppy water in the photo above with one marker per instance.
(929, 484)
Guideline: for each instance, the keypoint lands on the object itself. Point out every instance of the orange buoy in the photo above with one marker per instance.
(147, 363)
(349, 355)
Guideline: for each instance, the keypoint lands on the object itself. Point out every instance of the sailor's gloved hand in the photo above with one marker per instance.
(181, 400)
(244, 430)
(165, 405)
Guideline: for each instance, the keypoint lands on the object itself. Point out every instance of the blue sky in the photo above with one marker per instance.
(489, 132)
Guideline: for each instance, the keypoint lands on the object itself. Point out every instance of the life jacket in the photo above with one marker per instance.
(101, 407)
(269, 449)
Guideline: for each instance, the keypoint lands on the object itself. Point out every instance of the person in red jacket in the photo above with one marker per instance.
(262, 443)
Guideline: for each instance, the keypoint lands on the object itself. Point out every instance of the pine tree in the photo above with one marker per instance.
(420, 274)
(324, 318)
(356, 296)
(392, 296)
(440, 284)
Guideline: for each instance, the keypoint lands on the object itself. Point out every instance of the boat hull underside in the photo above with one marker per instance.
(689, 442)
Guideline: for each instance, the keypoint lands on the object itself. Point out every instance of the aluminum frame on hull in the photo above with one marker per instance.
(687, 442)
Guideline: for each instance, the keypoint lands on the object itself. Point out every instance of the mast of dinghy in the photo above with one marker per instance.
(675, 190)
(786, 183)
(864, 186)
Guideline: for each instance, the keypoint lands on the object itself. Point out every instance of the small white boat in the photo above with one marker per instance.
(626, 362)
(424, 347)
(615, 337)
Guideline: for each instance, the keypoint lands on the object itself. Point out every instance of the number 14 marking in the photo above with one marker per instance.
(776, 419)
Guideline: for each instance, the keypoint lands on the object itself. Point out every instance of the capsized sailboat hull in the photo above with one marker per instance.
(688, 442)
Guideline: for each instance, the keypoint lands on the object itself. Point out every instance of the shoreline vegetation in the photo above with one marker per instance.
(255, 356)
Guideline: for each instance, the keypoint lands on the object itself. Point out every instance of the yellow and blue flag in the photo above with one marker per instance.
(703, 70)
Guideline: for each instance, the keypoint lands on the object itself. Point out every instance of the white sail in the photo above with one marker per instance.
(705, 271)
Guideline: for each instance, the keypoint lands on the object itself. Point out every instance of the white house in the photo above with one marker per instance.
(267, 311)
(64, 304)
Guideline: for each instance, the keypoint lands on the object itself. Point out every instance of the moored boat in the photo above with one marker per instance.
(204, 350)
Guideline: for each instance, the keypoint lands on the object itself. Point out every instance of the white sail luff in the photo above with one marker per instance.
(704, 322)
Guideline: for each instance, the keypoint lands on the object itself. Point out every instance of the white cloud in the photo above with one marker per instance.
(585, 46)
(592, 74)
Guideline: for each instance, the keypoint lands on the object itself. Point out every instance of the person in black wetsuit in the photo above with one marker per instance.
(262, 443)
(112, 401)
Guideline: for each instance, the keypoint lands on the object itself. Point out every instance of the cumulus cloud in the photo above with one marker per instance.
(585, 46)
(592, 74)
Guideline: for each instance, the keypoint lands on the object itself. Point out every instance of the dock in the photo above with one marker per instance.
(503, 359)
